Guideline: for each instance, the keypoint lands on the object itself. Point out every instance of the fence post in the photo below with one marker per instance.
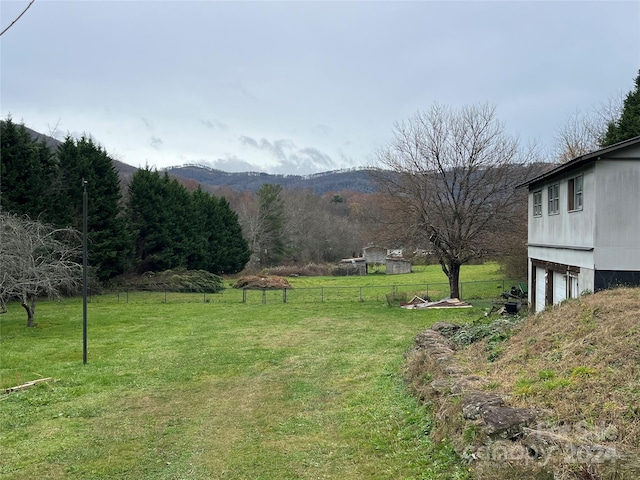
(264, 296)
(165, 295)
(244, 295)
(284, 295)
(360, 294)
(321, 294)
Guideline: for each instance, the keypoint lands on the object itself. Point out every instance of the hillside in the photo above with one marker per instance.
(358, 180)
(355, 180)
(125, 171)
(570, 377)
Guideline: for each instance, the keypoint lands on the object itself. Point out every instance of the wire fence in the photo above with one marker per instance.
(485, 289)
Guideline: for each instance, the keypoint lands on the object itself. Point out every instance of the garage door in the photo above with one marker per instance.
(559, 287)
(540, 283)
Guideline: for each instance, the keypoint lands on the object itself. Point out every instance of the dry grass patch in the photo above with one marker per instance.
(262, 282)
(576, 364)
(580, 360)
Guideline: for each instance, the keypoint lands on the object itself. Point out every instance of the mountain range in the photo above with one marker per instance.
(355, 180)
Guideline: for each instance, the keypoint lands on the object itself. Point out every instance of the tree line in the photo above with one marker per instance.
(154, 224)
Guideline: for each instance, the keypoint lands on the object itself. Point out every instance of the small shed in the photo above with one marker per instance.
(397, 265)
(373, 254)
(352, 266)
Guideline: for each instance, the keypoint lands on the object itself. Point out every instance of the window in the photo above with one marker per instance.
(554, 199)
(537, 203)
(575, 193)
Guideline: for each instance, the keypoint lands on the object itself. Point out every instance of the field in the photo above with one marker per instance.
(220, 389)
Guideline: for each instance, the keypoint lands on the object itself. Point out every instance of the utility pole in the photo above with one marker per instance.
(84, 271)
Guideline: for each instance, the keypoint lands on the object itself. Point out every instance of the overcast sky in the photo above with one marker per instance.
(302, 87)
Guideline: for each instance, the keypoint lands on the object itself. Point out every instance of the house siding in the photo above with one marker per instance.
(574, 228)
(618, 204)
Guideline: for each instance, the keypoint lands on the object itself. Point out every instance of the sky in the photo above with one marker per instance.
(301, 87)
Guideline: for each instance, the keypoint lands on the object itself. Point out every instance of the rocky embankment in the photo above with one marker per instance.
(504, 430)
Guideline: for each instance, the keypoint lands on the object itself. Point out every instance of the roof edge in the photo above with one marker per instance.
(582, 159)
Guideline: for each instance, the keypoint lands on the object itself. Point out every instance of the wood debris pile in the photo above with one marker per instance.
(418, 303)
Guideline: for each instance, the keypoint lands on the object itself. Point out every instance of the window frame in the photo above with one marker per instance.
(537, 203)
(553, 200)
(575, 193)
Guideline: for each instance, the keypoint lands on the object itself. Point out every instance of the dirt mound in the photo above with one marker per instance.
(260, 282)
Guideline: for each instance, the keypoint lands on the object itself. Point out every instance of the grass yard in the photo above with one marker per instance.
(217, 390)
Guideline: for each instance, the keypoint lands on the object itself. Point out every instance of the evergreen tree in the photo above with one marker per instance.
(176, 229)
(202, 224)
(229, 248)
(26, 170)
(628, 125)
(218, 245)
(271, 214)
(149, 215)
(109, 235)
(179, 217)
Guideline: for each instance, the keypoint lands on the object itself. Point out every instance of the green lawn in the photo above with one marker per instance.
(217, 389)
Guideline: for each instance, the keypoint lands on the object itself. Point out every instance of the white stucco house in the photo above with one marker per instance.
(584, 225)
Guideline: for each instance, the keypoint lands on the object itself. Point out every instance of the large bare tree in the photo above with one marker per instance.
(452, 180)
(36, 260)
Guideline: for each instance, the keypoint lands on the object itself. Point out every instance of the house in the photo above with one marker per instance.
(584, 225)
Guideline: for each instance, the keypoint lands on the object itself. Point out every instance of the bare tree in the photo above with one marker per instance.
(453, 178)
(584, 132)
(36, 260)
(318, 230)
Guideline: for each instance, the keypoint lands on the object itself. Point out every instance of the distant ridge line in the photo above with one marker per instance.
(276, 175)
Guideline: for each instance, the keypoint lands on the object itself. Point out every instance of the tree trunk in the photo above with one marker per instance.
(454, 279)
(31, 310)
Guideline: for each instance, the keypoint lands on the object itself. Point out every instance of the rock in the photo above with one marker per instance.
(470, 383)
(506, 422)
(441, 386)
(474, 403)
(431, 338)
(608, 434)
(452, 370)
(445, 328)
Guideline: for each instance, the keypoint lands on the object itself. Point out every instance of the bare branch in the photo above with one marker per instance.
(36, 260)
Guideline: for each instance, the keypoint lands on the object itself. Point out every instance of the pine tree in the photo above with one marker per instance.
(179, 217)
(109, 235)
(219, 246)
(149, 216)
(229, 248)
(178, 229)
(271, 213)
(202, 224)
(628, 125)
(27, 167)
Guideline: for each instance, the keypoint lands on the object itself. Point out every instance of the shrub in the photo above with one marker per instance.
(178, 280)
